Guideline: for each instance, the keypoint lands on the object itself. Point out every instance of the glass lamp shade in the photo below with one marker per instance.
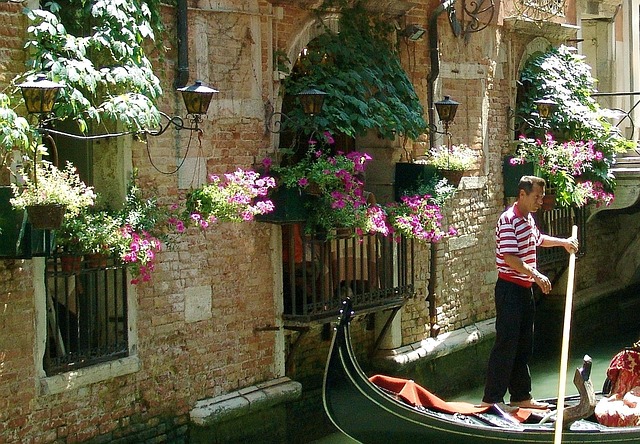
(446, 109)
(39, 94)
(197, 97)
(545, 107)
(311, 100)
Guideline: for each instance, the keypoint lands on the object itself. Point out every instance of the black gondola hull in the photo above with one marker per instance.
(368, 414)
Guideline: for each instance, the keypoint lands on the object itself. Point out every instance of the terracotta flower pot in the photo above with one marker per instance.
(453, 176)
(96, 260)
(71, 264)
(549, 201)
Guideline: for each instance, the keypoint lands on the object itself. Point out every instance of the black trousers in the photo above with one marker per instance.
(509, 360)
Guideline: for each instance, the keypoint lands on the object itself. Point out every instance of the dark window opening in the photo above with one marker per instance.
(86, 302)
(86, 299)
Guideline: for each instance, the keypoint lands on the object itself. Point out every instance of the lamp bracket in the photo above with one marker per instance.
(177, 122)
(519, 123)
(471, 12)
(273, 122)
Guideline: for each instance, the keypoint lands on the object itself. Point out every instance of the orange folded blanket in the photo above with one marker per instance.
(417, 395)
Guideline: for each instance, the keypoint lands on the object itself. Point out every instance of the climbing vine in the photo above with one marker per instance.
(360, 70)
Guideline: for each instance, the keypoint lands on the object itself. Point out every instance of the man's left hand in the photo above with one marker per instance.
(571, 245)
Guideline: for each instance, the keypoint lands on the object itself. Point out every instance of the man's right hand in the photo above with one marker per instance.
(543, 282)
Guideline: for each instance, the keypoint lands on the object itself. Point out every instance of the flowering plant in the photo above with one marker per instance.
(576, 170)
(89, 232)
(133, 235)
(336, 183)
(139, 233)
(417, 217)
(457, 157)
(138, 249)
(51, 185)
(235, 197)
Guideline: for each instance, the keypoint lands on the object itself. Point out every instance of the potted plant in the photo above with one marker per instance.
(451, 162)
(16, 140)
(576, 172)
(417, 217)
(143, 227)
(92, 234)
(335, 183)
(49, 194)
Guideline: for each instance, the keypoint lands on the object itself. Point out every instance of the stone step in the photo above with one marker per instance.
(210, 411)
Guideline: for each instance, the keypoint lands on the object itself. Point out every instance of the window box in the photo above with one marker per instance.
(18, 239)
(290, 205)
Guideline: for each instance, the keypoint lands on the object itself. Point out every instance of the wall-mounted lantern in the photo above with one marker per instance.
(197, 98)
(446, 109)
(545, 107)
(311, 100)
(40, 94)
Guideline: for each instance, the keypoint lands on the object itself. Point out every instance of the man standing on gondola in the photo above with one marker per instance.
(517, 238)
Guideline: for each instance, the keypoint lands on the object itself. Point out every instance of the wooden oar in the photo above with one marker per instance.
(564, 356)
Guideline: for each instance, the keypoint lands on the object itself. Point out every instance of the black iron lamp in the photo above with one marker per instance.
(446, 109)
(545, 107)
(537, 120)
(311, 100)
(197, 98)
(40, 94)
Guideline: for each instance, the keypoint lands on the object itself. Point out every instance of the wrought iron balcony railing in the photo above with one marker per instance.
(375, 272)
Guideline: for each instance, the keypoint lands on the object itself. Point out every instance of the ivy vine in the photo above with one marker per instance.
(360, 70)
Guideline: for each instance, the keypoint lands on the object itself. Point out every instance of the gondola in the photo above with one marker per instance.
(370, 414)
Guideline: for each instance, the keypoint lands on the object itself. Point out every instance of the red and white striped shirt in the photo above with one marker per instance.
(516, 235)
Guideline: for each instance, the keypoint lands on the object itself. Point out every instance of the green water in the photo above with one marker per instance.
(545, 374)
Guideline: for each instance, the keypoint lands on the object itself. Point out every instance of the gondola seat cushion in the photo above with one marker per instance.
(622, 407)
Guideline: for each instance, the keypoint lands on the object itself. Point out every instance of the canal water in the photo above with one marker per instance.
(544, 373)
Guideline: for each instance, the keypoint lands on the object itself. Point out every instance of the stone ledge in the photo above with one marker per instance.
(238, 403)
(86, 376)
(444, 344)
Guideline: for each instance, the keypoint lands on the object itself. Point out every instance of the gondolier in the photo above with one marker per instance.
(517, 238)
